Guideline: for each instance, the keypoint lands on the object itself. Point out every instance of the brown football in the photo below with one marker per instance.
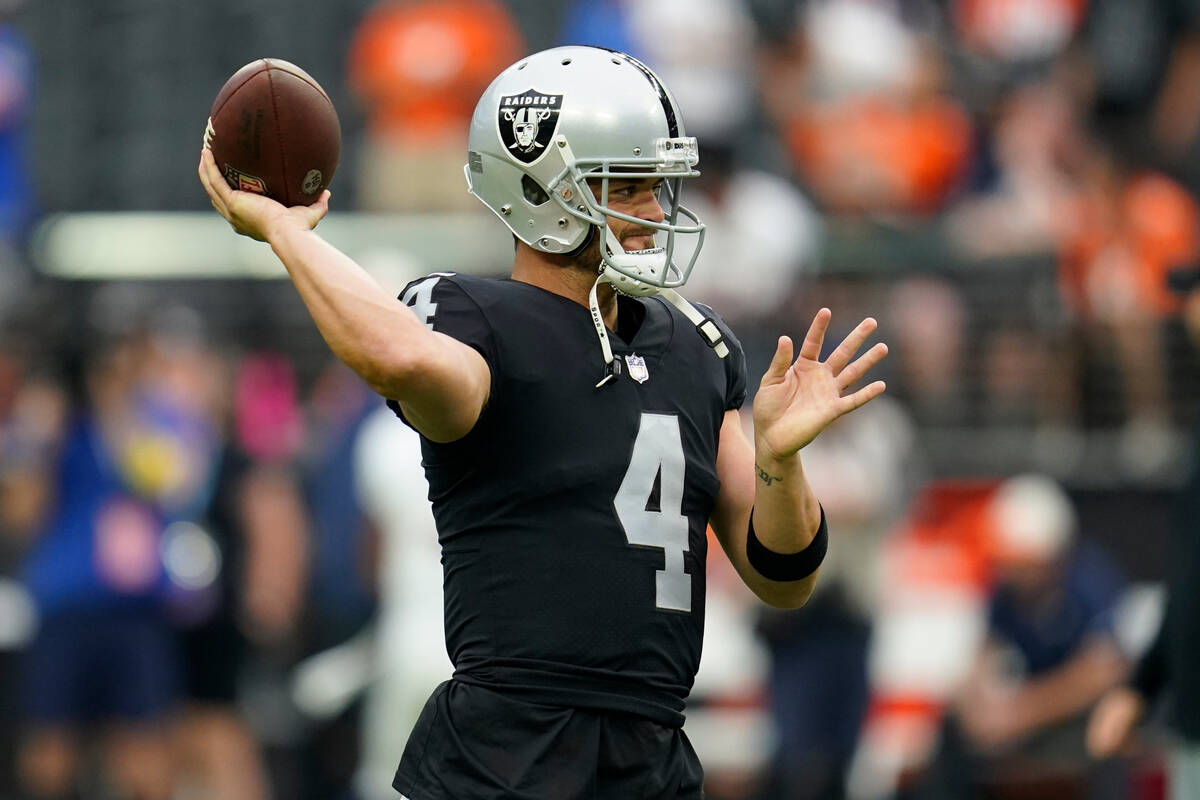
(274, 131)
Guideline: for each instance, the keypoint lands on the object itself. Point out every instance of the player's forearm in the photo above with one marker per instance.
(363, 325)
(787, 516)
(786, 511)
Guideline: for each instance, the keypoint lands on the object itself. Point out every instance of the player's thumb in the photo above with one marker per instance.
(317, 211)
(780, 361)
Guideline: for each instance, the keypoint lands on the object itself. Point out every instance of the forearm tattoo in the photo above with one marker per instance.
(766, 477)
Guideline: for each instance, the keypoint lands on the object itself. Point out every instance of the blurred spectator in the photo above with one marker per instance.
(929, 620)
(17, 199)
(1145, 62)
(1127, 228)
(741, 206)
(104, 651)
(928, 322)
(1170, 668)
(342, 583)
(341, 598)
(33, 413)
(272, 516)
(861, 97)
(864, 468)
(409, 642)
(728, 712)
(419, 67)
(1117, 229)
(1020, 32)
(204, 552)
(1036, 149)
(1017, 722)
(702, 49)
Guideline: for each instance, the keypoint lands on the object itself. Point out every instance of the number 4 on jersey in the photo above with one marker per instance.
(658, 457)
(419, 297)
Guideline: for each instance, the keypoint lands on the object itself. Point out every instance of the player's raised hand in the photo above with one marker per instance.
(252, 214)
(798, 399)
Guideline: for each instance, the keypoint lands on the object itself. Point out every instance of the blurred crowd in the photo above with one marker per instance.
(219, 576)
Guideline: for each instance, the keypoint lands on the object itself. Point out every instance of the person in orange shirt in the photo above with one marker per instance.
(418, 66)
(1126, 230)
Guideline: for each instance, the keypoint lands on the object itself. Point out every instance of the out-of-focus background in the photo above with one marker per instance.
(218, 574)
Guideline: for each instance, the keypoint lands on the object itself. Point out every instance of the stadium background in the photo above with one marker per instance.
(1005, 185)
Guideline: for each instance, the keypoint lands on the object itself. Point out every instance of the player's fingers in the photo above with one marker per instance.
(202, 172)
(212, 196)
(811, 349)
(213, 182)
(780, 361)
(861, 365)
(845, 351)
(861, 397)
(216, 180)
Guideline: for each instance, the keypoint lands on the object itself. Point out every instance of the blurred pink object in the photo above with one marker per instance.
(267, 416)
(126, 545)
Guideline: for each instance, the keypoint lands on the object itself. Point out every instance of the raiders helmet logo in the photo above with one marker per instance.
(527, 122)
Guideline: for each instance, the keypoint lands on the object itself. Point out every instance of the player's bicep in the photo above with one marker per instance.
(731, 513)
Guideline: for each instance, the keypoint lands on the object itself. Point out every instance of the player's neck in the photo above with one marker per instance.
(556, 274)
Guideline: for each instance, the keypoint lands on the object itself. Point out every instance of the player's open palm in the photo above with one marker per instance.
(798, 399)
(252, 214)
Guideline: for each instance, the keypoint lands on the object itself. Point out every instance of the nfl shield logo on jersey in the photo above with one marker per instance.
(527, 122)
(637, 368)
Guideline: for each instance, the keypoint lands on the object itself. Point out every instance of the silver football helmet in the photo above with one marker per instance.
(552, 121)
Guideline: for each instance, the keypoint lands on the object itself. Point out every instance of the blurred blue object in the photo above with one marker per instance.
(600, 23)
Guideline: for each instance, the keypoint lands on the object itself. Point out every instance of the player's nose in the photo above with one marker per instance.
(651, 210)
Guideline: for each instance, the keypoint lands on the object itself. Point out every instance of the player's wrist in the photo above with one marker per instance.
(281, 225)
(781, 464)
(790, 565)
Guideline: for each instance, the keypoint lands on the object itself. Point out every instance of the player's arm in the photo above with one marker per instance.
(795, 402)
(440, 383)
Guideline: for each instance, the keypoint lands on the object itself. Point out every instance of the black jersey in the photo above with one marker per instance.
(573, 518)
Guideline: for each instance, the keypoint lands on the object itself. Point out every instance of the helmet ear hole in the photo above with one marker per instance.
(534, 194)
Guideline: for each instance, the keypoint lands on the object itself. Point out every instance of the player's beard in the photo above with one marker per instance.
(588, 261)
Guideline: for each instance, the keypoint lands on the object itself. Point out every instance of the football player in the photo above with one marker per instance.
(580, 430)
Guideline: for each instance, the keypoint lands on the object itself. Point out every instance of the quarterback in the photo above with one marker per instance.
(580, 432)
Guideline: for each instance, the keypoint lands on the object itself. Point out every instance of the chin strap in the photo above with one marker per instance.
(707, 329)
(612, 367)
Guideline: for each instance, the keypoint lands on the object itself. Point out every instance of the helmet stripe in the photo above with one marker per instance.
(668, 108)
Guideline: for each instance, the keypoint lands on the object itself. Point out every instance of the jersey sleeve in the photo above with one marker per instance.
(444, 306)
(735, 362)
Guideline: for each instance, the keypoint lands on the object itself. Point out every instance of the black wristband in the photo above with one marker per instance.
(787, 566)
